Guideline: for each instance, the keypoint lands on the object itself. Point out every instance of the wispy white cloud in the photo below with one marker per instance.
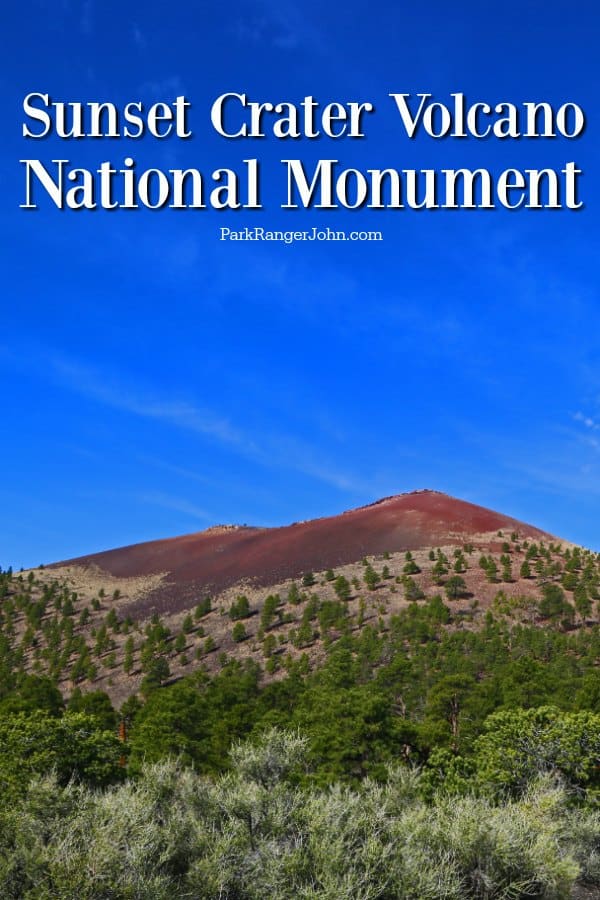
(177, 504)
(588, 421)
(174, 469)
(119, 395)
(282, 451)
(273, 450)
(234, 490)
(161, 499)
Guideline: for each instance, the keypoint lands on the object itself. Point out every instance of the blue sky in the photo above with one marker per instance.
(156, 380)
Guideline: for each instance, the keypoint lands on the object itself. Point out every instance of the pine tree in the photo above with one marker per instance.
(371, 578)
(455, 587)
(341, 587)
(525, 570)
(128, 657)
(239, 632)
(240, 609)
(269, 610)
(202, 608)
(439, 571)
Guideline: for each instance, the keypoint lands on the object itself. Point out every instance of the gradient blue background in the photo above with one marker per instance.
(156, 381)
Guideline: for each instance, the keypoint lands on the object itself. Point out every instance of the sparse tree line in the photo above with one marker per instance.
(47, 629)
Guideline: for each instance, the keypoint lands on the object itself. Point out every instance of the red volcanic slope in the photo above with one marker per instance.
(215, 559)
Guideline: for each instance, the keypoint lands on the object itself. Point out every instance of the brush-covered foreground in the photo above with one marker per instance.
(257, 833)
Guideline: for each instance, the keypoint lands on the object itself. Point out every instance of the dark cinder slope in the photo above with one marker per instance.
(213, 560)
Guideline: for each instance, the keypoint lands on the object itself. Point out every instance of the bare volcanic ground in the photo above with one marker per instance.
(212, 561)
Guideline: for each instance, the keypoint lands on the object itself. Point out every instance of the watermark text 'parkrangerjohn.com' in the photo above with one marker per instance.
(289, 237)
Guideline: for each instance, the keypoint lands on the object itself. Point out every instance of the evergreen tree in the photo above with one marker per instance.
(525, 571)
(269, 610)
(455, 587)
(371, 578)
(202, 608)
(240, 609)
(341, 587)
(239, 632)
(128, 656)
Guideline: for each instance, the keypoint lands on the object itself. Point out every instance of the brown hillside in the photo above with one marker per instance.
(214, 560)
(75, 621)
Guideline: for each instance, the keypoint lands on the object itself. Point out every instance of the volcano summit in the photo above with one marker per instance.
(218, 558)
